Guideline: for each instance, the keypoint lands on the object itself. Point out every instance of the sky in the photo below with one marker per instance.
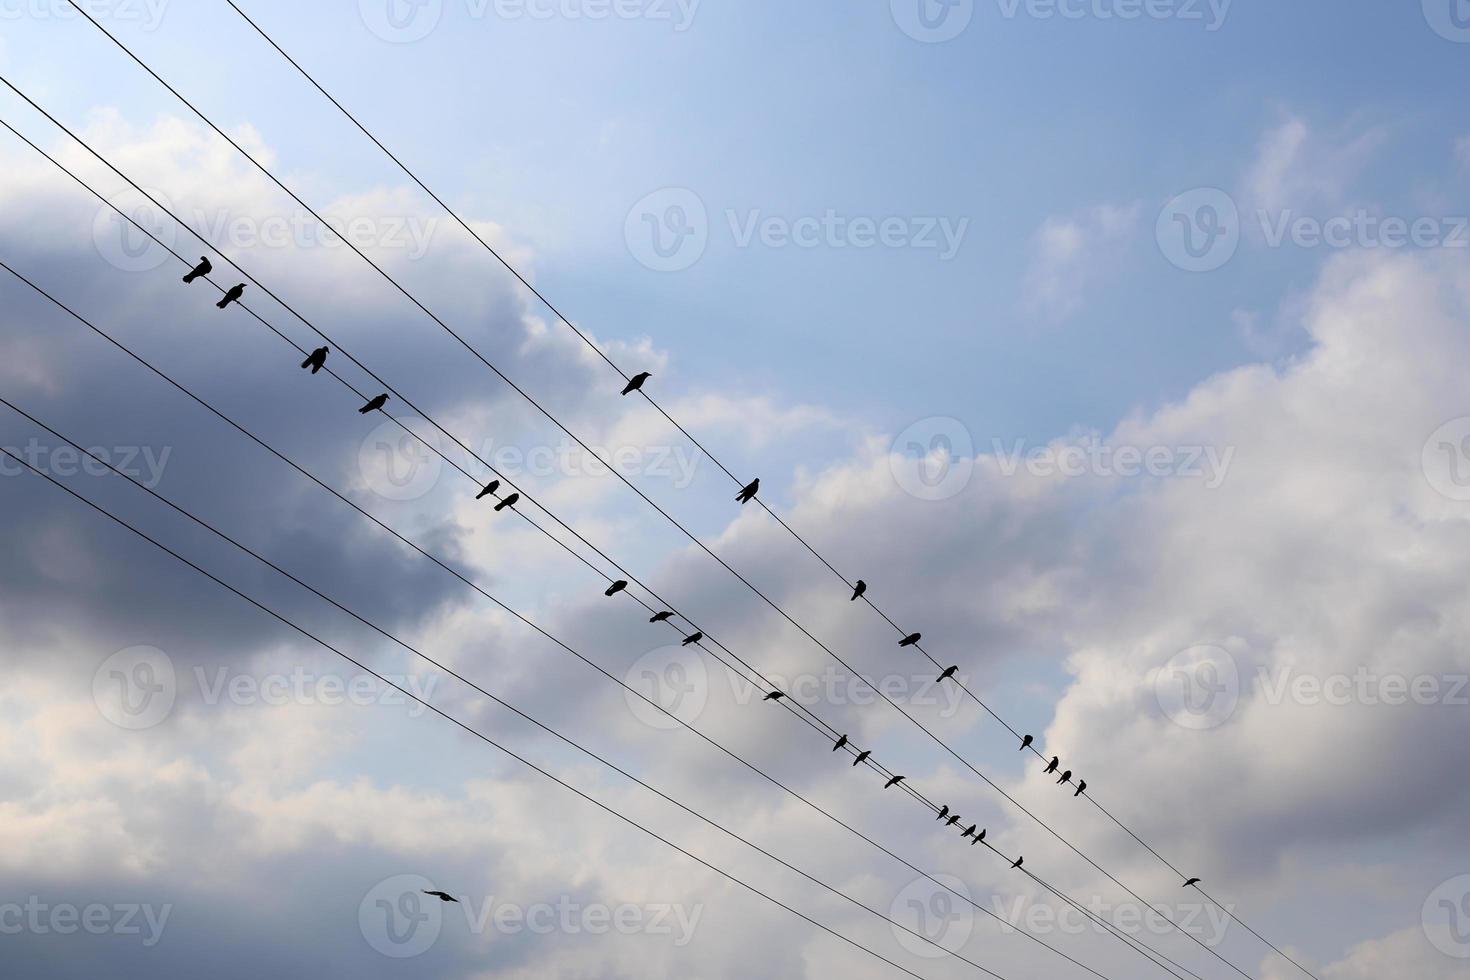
(1118, 345)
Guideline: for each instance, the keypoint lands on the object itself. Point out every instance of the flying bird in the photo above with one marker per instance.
(635, 383)
(1019, 861)
(840, 743)
(616, 587)
(442, 896)
(858, 590)
(1026, 743)
(232, 296)
(692, 639)
(746, 495)
(775, 696)
(1052, 766)
(1192, 882)
(373, 405)
(1081, 788)
(317, 360)
(949, 672)
(861, 757)
(661, 617)
(893, 782)
(202, 269)
(911, 639)
(490, 488)
(1066, 777)
(507, 502)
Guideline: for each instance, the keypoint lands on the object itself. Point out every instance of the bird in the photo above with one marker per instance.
(954, 818)
(1052, 766)
(442, 896)
(911, 640)
(1019, 861)
(507, 502)
(660, 617)
(490, 488)
(317, 360)
(692, 639)
(1066, 777)
(840, 743)
(1026, 743)
(747, 494)
(971, 832)
(202, 269)
(775, 696)
(616, 587)
(943, 811)
(373, 405)
(636, 382)
(1081, 788)
(232, 296)
(949, 672)
(1192, 882)
(858, 590)
(861, 757)
(893, 782)
(978, 838)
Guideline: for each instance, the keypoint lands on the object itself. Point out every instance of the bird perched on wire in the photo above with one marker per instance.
(1081, 788)
(233, 296)
(1066, 777)
(911, 640)
(971, 831)
(660, 617)
(490, 488)
(894, 782)
(943, 812)
(840, 743)
(1051, 767)
(775, 696)
(442, 896)
(616, 587)
(747, 494)
(858, 590)
(202, 269)
(861, 757)
(954, 818)
(373, 405)
(510, 501)
(692, 639)
(317, 360)
(1026, 743)
(948, 673)
(978, 838)
(1192, 882)
(635, 383)
(1019, 861)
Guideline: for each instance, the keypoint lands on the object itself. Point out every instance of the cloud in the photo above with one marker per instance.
(1298, 168)
(1070, 255)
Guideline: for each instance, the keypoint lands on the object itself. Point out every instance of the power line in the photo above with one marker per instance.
(738, 481)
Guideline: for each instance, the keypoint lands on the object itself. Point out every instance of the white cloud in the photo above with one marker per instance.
(1069, 255)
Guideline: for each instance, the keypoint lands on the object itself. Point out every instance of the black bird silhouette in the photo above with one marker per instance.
(1066, 777)
(636, 382)
(490, 488)
(911, 639)
(943, 812)
(373, 405)
(616, 587)
(746, 495)
(202, 269)
(840, 743)
(507, 502)
(948, 673)
(1026, 743)
(1192, 882)
(317, 360)
(1052, 767)
(954, 818)
(692, 639)
(442, 896)
(661, 617)
(232, 296)
(1019, 861)
(971, 832)
(775, 696)
(978, 838)
(858, 590)
(1081, 788)
(861, 757)
(893, 782)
